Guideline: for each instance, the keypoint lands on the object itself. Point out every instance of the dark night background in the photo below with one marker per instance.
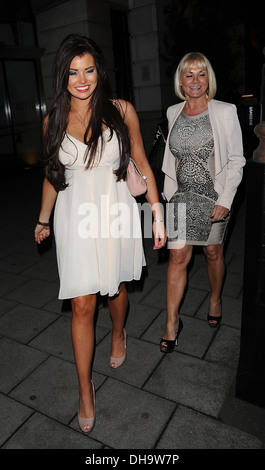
(206, 26)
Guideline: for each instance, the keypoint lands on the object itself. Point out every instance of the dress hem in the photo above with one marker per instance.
(97, 291)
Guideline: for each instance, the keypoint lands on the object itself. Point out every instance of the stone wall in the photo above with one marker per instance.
(151, 86)
(73, 16)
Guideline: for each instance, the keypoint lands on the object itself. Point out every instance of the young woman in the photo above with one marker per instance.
(88, 140)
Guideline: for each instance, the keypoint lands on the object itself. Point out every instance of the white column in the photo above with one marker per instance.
(143, 31)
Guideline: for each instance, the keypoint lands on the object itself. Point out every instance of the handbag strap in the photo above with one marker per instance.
(119, 107)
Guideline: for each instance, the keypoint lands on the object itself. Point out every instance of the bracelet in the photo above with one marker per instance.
(158, 220)
(44, 224)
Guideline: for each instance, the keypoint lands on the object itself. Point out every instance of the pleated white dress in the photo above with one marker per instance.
(96, 224)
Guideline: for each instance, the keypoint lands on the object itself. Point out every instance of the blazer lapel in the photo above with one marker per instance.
(217, 134)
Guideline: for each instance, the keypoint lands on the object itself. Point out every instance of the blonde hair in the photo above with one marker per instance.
(204, 63)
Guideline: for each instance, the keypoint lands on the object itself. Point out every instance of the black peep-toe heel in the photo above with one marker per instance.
(166, 345)
(213, 322)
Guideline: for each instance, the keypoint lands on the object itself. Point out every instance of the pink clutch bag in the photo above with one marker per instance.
(135, 180)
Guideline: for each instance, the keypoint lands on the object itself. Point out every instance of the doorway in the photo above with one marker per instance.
(122, 56)
(20, 115)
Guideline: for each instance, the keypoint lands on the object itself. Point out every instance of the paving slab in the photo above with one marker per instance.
(51, 389)
(41, 432)
(142, 358)
(244, 416)
(16, 362)
(232, 284)
(236, 264)
(33, 292)
(138, 320)
(192, 382)
(46, 269)
(24, 245)
(23, 323)
(225, 348)
(56, 339)
(62, 307)
(129, 418)
(12, 416)
(9, 282)
(189, 429)
(139, 289)
(192, 300)
(231, 311)
(16, 262)
(195, 337)
(6, 305)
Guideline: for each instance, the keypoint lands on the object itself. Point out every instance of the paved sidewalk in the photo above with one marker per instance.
(184, 400)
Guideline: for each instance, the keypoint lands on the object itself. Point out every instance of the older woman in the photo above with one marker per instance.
(203, 166)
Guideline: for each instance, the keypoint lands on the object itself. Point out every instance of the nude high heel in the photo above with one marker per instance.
(86, 424)
(116, 362)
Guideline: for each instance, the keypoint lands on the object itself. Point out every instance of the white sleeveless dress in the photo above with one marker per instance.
(96, 224)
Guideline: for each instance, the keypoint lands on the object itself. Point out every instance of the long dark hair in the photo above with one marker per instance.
(103, 111)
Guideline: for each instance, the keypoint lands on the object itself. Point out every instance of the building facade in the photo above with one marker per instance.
(136, 36)
(128, 31)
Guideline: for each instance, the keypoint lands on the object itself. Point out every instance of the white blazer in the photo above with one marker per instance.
(228, 151)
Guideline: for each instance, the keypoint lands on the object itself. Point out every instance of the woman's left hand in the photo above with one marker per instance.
(160, 235)
(219, 213)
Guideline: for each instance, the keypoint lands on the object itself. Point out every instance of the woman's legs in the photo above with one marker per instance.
(83, 334)
(216, 270)
(83, 344)
(118, 309)
(176, 283)
(177, 280)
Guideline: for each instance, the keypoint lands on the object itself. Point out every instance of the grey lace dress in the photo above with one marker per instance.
(188, 218)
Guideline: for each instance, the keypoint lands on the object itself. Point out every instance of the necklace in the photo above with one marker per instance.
(83, 120)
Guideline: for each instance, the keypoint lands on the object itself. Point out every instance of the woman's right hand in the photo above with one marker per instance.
(49, 195)
(41, 233)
